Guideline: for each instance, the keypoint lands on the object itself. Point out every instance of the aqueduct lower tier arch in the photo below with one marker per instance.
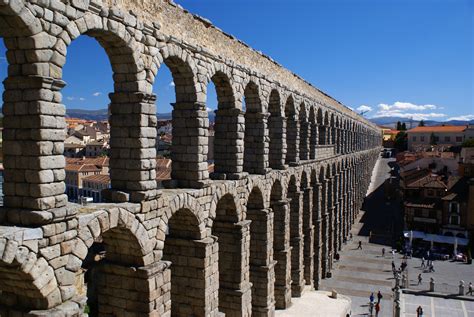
(291, 171)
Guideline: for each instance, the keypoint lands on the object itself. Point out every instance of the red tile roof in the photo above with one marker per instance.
(440, 128)
(100, 178)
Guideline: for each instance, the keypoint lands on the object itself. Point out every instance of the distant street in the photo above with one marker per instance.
(361, 272)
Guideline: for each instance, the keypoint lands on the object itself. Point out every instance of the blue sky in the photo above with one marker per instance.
(411, 58)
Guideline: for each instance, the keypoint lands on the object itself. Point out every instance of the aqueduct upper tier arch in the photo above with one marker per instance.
(291, 171)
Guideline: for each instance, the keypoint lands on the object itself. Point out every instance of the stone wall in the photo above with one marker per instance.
(290, 172)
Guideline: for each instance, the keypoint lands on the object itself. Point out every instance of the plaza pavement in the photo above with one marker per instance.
(361, 272)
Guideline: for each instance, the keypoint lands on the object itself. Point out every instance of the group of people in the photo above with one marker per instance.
(429, 265)
(373, 305)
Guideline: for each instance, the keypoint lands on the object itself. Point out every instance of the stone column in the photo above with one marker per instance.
(256, 143)
(292, 137)
(318, 243)
(314, 140)
(33, 145)
(282, 253)
(308, 232)
(190, 144)
(296, 242)
(194, 277)
(144, 290)
(277, 134)
(132, 146)
(305, 134)
(234, 286)
(262, 265)
(229, 144)
(336, 211)
(325, 214)
(331, 230)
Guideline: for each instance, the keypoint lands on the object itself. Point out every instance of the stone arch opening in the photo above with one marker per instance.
(255, 144)
(228, 139)
(292, 127)
(132, 112)
(187, 130)
(115, 255)
(305, 133)
(313, 140)
(321, 129)
(233, 237)
(262, 273)
(191, 279)
(296, 237)
(87, 143)
(277, 132)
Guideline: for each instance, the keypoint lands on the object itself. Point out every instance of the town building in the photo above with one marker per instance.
(440, 137)
(92, 186)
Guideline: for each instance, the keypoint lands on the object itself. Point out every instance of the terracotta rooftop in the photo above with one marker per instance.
(439, 128)
(100, 178)
(99, 161)
(82, 168)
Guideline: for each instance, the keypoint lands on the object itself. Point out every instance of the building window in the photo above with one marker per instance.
(418, 212)
(414, 139)
(436, 138)
(422, 138)
(454, 207)
(459, 139)
(454, 220)
(447, 139)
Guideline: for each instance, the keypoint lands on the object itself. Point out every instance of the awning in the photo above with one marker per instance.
(435, 238)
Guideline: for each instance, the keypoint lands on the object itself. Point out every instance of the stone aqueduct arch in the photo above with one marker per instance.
(291, 171)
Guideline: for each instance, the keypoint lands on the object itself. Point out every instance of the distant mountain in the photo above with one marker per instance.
(97, 115)
(391, 122)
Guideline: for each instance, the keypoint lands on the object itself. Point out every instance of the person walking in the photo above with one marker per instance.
(371, 297)
(393, 266)
(379, 297)
(419, 312)
(377, 309)
(383, 252)
(360, 246)
(469, 292)
(423, 262)
(420, 279)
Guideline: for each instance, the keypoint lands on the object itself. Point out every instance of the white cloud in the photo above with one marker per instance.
(209, 109)
(82, 99)
(70, 98)
(364, 108)
(409, 115)
(408, 110)
(351, 108)
(96, 94)
(400, 106)
(467, 117)
(171, 84)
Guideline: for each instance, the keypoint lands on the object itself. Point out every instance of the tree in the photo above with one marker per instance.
(422, 123)
(433, 139)
(468, 143)
(399, 125)
(401, 141)
(404, 127)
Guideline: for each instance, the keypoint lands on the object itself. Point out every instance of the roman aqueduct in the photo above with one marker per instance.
(290, 173)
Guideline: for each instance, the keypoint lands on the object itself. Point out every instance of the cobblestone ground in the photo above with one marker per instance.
(439, 307)
(361, 272)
